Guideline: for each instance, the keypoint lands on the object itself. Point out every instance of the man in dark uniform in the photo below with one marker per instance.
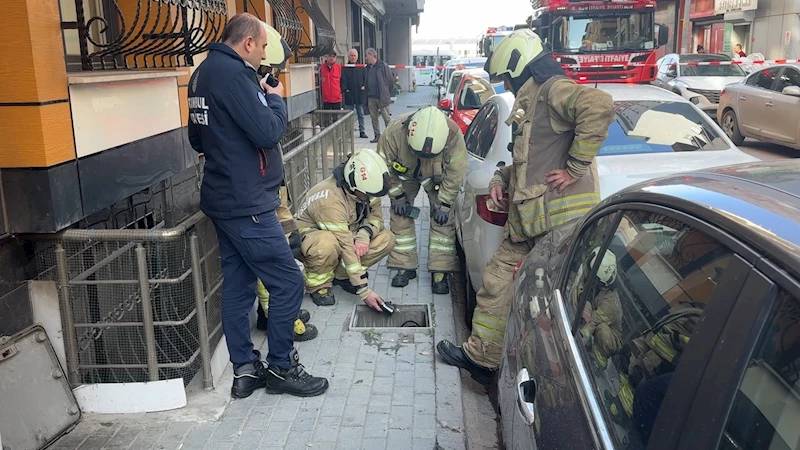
(237, 127)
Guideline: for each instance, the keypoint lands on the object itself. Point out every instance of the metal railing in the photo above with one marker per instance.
(145, 304)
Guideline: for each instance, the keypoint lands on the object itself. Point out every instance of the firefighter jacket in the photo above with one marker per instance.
(563, 126)
(330, 207)
(444, 173)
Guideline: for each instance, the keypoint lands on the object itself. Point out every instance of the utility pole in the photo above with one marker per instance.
(686, 41)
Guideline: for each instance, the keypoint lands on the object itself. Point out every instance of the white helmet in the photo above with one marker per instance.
(607, 272)
(366, 172)
(428, 132)
(277, 50)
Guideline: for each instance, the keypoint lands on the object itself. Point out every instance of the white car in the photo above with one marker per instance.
(458, 64)
(656, 133)
(698, 77)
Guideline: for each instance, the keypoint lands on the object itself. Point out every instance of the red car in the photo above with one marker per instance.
(471, 94)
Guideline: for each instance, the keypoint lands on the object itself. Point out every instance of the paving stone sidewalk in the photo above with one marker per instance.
(387, 390)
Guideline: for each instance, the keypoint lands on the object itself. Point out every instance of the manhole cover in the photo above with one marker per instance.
(405, 318)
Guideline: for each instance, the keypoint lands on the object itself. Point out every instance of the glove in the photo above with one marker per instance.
(294, 243)
(440, 215)
(401, 208)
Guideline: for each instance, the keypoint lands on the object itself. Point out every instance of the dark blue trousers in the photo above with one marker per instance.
(251, 247)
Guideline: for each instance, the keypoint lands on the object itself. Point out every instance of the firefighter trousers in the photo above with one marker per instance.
(441, 238)
(485, 345)
(321, 255)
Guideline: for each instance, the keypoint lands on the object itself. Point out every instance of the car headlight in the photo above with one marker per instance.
(695, 100)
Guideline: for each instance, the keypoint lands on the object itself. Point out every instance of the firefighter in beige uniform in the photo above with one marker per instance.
(551, 181)
(342, 226)
(425, 149)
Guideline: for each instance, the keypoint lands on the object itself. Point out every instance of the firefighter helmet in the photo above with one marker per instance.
(278, 50)
(428, 132)
(607, 272)
(366, 172)
(514, 53)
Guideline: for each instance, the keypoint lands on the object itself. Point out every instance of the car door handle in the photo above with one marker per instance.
(526, 393)
(768, 104)
(742, 97)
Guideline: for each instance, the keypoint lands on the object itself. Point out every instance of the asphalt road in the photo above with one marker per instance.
(767, 152)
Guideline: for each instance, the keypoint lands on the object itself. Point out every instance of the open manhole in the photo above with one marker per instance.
(405, 318)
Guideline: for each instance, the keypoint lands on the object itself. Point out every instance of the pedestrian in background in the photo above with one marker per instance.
(737, 50)
(354, 88)
(330, 77)
(701, 49)
(379, 88)
(238, 127)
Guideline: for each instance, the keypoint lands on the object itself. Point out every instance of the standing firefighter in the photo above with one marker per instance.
(425, 149)
(551, 181)
(342, 226)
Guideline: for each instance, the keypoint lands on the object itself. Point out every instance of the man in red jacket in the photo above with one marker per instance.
(330, 77)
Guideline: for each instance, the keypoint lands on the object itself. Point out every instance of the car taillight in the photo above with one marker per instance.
(490, 215)
(516, 268)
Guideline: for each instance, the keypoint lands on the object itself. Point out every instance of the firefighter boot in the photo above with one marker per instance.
(323, 297)
(304, 331)
(294, 380)
(439, 284)
(402, 278)
(249, 377)
(455, 356)
(346, 285)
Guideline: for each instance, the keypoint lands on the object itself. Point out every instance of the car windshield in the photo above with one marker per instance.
(475, 93)
(603, 31)
(659, 127)
(728, 70)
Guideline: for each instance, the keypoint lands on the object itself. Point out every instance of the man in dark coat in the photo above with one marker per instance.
(379, 85)
(354, 88)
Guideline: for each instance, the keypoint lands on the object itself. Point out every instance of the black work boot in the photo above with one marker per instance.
(294, 380)
(263, 323)
(439, 283)
(402, 277)
(455, 356)
(249, 377)
(323, 297)
(304, 331)
(363, 135)
(346, 285)
(375, 141)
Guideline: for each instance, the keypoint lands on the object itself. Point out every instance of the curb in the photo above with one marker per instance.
(449, 407)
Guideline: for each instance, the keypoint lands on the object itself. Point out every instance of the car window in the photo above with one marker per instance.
(789, 77)
(637, 312)
(475, 93)
(766, 410)
(660, 127)
(726, 70)
(482, 130)
(763, 78)
(454, 82)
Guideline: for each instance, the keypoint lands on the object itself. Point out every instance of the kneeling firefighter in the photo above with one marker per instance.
(342, 227)
(277, 52)
(425, 149)
(562, 125)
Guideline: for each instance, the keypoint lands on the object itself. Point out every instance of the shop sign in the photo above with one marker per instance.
(725, 6)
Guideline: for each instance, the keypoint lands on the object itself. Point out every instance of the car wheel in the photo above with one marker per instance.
(472, 300)
(731, 127)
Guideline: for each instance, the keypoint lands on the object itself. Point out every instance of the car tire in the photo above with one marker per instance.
(730, 126)
(471, 300)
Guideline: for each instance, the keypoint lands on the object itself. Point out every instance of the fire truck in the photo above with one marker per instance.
(611, 41)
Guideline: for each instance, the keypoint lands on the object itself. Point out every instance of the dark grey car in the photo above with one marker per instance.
(667, 318)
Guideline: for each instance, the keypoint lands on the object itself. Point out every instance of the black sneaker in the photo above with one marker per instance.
(439, 283)
(248, 378)
(323, 297)
(363, 135)
(294, 380)
(402, 278)
(346, 285)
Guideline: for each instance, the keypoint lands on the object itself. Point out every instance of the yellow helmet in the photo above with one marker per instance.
(428, 132)
(366, 172)
(607, 272)
(278, 50)
(514, 53)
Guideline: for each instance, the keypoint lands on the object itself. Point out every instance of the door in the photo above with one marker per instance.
(617, 351)
(754, 95)
(782, 123)
(717, 38)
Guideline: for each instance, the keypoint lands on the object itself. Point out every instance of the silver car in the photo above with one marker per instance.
(666, 318)
(655, 134)
(764, 106)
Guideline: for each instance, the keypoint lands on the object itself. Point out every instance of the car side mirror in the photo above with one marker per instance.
(438, 82)
(445, 104)
(794, 91)
(663, 35)
(672, 71)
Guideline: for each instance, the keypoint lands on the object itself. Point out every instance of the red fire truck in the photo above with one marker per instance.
(601, 41)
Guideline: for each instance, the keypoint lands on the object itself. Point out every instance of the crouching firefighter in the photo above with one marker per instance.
(551, 181)
(342, 227)
(424, 149)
